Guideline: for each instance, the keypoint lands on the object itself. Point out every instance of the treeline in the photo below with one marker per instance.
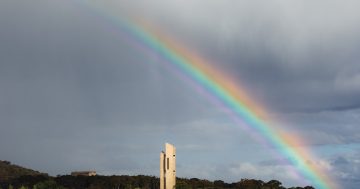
(17, 177)
(131, 182)
(10, 171)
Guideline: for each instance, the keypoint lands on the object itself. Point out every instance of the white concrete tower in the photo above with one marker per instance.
(168, 167)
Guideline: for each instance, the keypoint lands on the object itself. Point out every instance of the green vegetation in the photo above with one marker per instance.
(195, 183)
(29, 179)
(10, 171)
(133, 182)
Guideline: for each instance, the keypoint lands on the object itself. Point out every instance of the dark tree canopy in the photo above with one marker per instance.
(16, 177)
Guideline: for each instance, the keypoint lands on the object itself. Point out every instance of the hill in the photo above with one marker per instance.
(17, 177)
(10, 171)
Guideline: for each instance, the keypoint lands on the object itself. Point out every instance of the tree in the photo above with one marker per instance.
(48, 184)
(249, 184)
(181, 184)
(309, 187)
(219, 184)
(274, 184)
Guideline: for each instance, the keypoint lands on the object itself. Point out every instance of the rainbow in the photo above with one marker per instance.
(222, 88)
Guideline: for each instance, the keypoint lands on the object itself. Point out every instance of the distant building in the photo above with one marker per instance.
(83, 173)
(168, 167)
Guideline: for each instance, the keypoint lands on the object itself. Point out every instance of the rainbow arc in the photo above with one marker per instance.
(220, 86)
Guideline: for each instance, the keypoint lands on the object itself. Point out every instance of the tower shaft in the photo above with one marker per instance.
(168, 167)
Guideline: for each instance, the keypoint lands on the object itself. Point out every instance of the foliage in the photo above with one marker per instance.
(10, 171)
(48, 184)
(134, 182)
(17, 177)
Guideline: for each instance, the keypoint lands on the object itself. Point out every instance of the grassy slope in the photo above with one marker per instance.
(8, 171)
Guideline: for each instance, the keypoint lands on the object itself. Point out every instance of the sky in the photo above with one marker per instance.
(76, 95)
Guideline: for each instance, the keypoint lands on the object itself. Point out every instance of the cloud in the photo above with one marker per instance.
(282, 172)
(325, 127)
(347, 169)
(294, 57)
(348, 80)
(69, 81)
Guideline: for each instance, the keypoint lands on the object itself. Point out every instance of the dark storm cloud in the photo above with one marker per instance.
(59, 88)
(294, 56)
(70, 82)
(71, 85)
(299, 58)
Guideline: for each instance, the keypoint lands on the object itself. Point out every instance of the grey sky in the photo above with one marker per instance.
(75, 95)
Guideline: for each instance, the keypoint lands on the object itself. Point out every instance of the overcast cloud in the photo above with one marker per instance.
(75, 95)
